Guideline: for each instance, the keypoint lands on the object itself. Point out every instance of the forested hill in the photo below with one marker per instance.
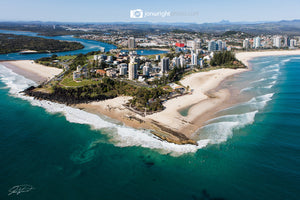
(10, 43)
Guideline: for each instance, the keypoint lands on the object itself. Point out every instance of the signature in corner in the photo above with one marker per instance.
(18, 189)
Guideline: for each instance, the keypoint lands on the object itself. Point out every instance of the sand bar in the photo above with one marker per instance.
(201, 104)
(170, 118)
(32, 70)
(169, 124)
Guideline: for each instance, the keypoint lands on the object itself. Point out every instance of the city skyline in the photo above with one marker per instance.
(158, 12)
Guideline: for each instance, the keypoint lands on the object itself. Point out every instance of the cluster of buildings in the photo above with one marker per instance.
(218, 45)
(276, 41)
(190, 51)
(141, 68)
(196, 41)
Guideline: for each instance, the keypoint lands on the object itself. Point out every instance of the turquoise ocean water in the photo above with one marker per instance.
(249, 151)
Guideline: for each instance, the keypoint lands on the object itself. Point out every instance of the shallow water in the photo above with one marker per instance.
(89, 45)
(249, 151)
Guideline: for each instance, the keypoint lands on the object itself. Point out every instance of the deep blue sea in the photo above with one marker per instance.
(250, 151)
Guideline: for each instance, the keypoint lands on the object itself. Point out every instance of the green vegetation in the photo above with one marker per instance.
(95, 88)
(226, 59)
(10, 43)
(148, 98)
(69, 82)
(105, 89)
(65, 58)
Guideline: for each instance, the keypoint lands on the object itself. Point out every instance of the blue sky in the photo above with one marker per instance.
(196, 11)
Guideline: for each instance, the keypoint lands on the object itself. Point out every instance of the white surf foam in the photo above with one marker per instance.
(232, 118)
(256, 103)
(259, 101)
(260, 80)
(286, 60)
(14, 82)
(270, 70)
(122, 137)
(274, 77)
(223, 127)
(264, 62)
(275, 66)
(268, 86)
(257, 84)
(246, 89)
(262, 98)
(218, 131)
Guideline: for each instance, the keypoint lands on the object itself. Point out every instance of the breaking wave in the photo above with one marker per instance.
(221, 128)
(121, 135)
(216, 131)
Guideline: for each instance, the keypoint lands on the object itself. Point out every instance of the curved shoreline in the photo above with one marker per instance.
(169, 124)
(196, 117)
(31, 70)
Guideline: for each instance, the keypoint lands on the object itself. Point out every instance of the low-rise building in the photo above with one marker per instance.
(111, 73)
(100, 72)
(81, 72)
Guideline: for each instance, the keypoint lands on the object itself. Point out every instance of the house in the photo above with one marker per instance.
(177, 87)
(101, 72)
(111, 73)
(76, 75)
(80, 72)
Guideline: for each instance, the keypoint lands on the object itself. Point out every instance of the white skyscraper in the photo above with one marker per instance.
(123, 70)
(109, 59)
(194, 59)
(181, 61)
(131, 43)
(224, 46)
(286, 41)
(132, 71)
(201, 62)
(176, 62)
(219, 45)
(165, 64)
(256, 42)
(293, 43)
(277, 41)
(146, 70)
(197, 44)
(190, 43)
(246, 44)
(212, 45)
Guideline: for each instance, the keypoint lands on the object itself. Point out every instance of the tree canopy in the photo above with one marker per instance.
(10, 43)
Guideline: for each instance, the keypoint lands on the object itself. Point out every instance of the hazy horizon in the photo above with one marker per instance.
(192, 11)
(144, 22)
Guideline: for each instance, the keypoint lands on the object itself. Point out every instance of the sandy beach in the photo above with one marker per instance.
(30, 69)
(200, 106)
(169, 123)
(207, 98)
(196, 103)
(245, 57)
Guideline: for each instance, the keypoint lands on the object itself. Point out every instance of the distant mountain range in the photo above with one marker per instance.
(290, 27)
